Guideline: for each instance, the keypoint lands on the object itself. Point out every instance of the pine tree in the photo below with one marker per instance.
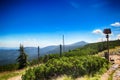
(22, 58)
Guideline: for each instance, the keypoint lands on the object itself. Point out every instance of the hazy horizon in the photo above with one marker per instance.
(17, 47)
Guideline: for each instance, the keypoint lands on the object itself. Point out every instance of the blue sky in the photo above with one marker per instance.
(43, 22)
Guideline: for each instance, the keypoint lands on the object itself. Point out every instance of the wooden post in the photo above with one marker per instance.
(38, 54)
(60, 50)
(107, 32)
(63, 44)
(107, 36)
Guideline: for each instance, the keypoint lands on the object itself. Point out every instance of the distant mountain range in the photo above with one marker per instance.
(8, 55)
(67, 47)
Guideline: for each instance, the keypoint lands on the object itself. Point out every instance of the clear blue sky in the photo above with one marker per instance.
(43, 22)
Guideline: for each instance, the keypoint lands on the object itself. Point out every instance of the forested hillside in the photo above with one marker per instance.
(75, 63)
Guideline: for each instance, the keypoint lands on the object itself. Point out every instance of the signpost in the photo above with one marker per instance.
(107, 32)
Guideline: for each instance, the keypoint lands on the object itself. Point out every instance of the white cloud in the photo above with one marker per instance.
(101, 39)
(116, 24)
(118, 36)
(97, 31)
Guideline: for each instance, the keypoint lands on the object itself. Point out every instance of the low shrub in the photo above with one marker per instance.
(70, 66)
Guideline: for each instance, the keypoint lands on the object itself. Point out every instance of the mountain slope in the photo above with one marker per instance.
(68, 47)
(10, 55)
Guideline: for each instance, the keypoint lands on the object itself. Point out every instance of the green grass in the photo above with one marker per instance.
(86, 77)
(7, 75)
(64, 77)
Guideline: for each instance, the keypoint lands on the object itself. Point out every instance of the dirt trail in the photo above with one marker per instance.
(16, 78)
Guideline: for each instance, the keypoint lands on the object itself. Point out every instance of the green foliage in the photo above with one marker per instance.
(31, 75)
(22, 59)
(9, 67)
(46, 58)
(89, 49)
(67, 78)
(72, 66)
(35, 61)
(7, 75)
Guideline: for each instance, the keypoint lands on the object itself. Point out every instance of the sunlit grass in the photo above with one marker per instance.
(9, 74)
(113, 50)
(86, 77)
(6, 75)
(64, 77)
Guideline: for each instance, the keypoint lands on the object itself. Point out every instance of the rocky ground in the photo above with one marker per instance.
(116, 74)
(114, 70)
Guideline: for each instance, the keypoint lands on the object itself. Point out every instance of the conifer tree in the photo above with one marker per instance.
(22, 58)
